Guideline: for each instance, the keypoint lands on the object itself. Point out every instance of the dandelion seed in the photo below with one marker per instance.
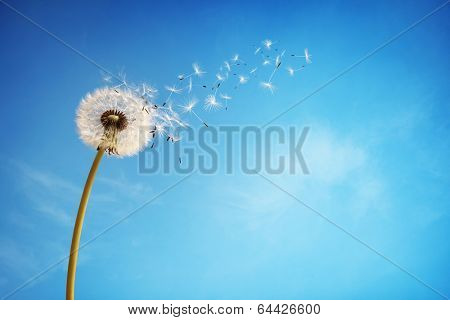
(211, 103)
(197, 70)
(277, 62)
(107, 78)
(189, 106)
(243, 79)
(290, 70)
(173, 89)
(180, 77)
(307, 56)
(235, 58)
(227, 65)
(268, 43)
(268, 85)
(266, 62)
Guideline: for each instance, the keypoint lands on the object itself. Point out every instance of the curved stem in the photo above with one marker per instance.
(70, 286)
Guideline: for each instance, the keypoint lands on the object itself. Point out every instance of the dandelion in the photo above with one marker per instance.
(112, 121)
(268, 85)
(211, 103)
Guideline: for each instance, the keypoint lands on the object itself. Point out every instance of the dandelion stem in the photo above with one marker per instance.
(70, 286)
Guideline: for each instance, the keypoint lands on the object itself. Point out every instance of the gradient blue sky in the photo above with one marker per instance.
(378, 152)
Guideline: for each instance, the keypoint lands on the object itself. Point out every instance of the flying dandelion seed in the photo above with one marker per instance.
(235, 58)
(197, 70)
(211, 103)
(243, 79)
(268, 85)
(290, 70)
(268, 43)
(226, 98)
(307, 56)
(103, 121)
(180, 77)
(173, 89)
(227, 65)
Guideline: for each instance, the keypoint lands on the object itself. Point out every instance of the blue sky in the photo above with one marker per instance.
(378, 153)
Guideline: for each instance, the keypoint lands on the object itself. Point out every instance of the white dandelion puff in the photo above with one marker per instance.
(211, 103)
(112, 119)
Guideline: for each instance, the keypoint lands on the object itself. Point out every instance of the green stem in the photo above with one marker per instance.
(70, 287)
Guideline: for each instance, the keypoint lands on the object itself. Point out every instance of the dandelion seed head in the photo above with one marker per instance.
(114, 120)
